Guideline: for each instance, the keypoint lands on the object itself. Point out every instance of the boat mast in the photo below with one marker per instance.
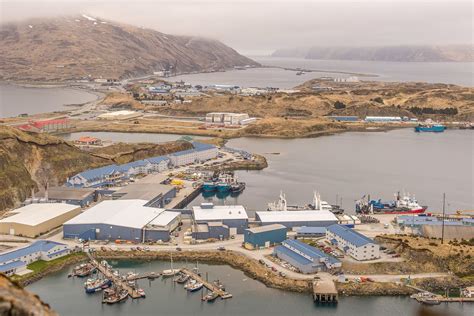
(442, 225)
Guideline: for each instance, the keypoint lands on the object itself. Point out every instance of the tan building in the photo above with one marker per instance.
(35, 219)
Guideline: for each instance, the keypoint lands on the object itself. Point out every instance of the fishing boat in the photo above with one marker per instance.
(209, 186)
(96, 285)
(116, 297)
(210, 297)
(237, 187)
(435, 128)
(403, 204)
(84, 270)
(317, 204)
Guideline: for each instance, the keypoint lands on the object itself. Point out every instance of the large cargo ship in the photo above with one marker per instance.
(403, 204)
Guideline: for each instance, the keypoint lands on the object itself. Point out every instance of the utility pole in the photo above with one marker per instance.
(442, 224)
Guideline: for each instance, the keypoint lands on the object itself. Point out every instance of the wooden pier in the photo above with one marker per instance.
(325, 292)
(211, 287)
(115, 279)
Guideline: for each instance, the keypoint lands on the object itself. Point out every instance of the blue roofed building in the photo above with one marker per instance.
(352, 242)
(98, 177)
(264, 236)
(305, 258)
(16, 261)
(201, 152)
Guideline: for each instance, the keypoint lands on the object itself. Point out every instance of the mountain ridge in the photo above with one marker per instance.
(404, 53)
(78, 47)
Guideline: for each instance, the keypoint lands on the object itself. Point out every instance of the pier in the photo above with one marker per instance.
(324, 292)
(133, 293)
(211, 287)
(438, 298)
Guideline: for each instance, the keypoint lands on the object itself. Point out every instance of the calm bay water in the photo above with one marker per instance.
(127, 137)
(443, 72)
(350, 165)
(16, 100)
(251, 297)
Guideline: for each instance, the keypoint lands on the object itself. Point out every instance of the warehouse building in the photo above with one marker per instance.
(16, 261)
(211, 230)
(122, 220)
(352, 242)
(120, 115)
(33, 220)
(157, 195)
(224, 118)
(76, 196)
(305, 258)
(264, 236)
(310, 232)
(201, 152)
(233, 216)
(292, 219)
(98, 177)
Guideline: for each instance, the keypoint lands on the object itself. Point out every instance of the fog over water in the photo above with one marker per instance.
(259, 27)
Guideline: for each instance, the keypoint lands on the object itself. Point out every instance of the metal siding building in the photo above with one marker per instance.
(305, 258)
(265, 236)
(352, 242)
(233, 216)
(292, 219)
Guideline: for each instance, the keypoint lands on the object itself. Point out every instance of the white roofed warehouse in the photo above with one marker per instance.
(233, 216)
(352, 242)
(292, 219)
(35, 219)
(123, 220)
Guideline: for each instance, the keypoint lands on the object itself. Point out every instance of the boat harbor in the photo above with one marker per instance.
(116, 287)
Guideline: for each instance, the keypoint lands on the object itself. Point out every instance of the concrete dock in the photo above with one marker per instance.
(325, 292)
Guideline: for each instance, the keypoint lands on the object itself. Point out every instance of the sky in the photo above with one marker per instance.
(261, 26)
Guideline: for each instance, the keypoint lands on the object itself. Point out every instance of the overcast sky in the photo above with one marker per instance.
(258, 27)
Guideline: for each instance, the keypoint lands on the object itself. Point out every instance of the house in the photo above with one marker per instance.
(98, 177)
(352, 242)
(16, 261)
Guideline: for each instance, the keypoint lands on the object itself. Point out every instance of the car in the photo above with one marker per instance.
(179, 249)
(274, 269)
(261, 261)
(221, 248)
(282, 274)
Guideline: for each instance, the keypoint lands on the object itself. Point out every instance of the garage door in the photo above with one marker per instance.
(233, 231)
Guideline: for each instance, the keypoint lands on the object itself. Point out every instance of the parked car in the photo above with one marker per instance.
(178, 249)
(221, 248)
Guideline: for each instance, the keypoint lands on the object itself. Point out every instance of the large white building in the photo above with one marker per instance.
(200, 153)
(16, 261)
(234, 216)
(33, 220)
(292, 219)
(123, 220)
(352, 242)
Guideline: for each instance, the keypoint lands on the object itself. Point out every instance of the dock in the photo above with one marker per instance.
(211, 287)
(115, 279)
(440, 298)
(325, 292)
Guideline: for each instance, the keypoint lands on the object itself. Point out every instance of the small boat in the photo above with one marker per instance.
(237, 187)
(218, 284)
(210, 297)
(194, 286)
(84, 270)
(170, 272)
(435, 128)
(223, 187)
(430, 301)
(141, 292)
(183, 278)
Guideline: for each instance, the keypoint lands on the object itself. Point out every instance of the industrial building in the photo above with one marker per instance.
(157, 195)
(233, 216)
(122, 220)
(16, 261)
(224, 118)
(338, 118)
(211, 230)
(310, 232)
(353, 243)
(305, 258)
(264, 236)
(377, 119)
(200, 153)
(35, 219)
(98, 177)
(76, 196)
(292, 219)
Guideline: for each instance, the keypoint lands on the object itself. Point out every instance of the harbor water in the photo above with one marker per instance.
(250, 297)
(15, 100)
(439, 72)
(353, 164)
